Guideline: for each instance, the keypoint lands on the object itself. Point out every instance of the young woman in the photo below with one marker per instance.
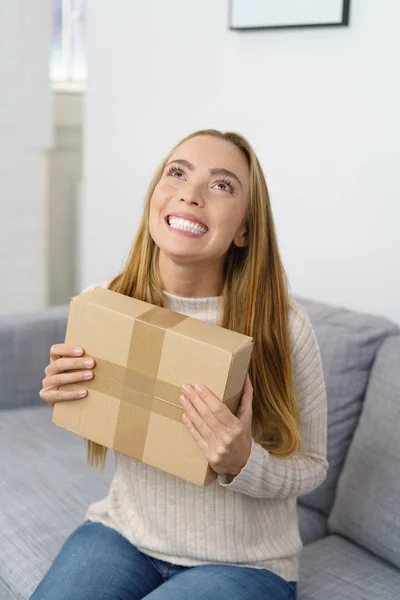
(207, 247)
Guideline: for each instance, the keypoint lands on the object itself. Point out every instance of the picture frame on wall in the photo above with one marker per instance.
(282, 14)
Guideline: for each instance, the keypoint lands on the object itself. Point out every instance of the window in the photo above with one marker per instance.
(68, 47)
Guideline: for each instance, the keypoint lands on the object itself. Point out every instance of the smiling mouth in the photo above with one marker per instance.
(180, 224)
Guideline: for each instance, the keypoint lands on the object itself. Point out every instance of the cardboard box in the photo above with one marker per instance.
(144, 354)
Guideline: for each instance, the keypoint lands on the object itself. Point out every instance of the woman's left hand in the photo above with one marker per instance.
(224, 439)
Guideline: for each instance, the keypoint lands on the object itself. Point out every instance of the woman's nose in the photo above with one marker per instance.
(192, 196)
(189, 200)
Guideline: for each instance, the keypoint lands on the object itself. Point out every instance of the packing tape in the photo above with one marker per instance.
(131, 386)
(140, 380)
(107, 370)
(147, 342)
(161, 317)
(133, 421)
(140, 390)
(166, 394)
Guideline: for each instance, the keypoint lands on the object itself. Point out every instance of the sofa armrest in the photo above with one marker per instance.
(25, 341)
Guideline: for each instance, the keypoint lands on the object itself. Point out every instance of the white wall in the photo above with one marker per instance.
(320, 106)
(25, 134)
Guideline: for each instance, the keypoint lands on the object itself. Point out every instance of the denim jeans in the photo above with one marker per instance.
(97, 563)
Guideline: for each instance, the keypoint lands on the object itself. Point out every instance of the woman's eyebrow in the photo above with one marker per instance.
(215, 171)
(183, 162)
(221, 171)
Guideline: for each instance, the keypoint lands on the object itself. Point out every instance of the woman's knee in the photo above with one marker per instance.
(95, 562)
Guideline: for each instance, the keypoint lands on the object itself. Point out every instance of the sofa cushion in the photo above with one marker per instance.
(367, 506)
(6, 593)
(337, 569)
(348, 343)
(313, 525)
(45, 489)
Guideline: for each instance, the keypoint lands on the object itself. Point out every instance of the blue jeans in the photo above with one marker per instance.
(97, 563)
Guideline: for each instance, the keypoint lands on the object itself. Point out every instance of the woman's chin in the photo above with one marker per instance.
(178, 253)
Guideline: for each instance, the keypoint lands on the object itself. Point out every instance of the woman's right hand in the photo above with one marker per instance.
(67, 365)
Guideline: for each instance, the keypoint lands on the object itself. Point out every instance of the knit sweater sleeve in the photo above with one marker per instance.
(269, 476)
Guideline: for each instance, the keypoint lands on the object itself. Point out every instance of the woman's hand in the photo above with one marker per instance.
(67, 365)
(224, 439)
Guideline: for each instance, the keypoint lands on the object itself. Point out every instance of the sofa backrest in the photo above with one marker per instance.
(367, 505)
(349, 342)
(25, 341)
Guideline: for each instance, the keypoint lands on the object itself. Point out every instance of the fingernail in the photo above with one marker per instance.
(198, 387)
(187, 388)
(82, 393)
(88, 362)
(184, 400)
(88, 374)
(77, 350)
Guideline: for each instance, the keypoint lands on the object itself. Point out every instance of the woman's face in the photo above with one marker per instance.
(199, 206)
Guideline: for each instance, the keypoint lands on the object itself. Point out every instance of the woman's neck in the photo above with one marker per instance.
(190, 280)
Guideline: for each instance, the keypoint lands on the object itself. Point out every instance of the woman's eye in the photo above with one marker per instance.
(174, 172)
(224, 187)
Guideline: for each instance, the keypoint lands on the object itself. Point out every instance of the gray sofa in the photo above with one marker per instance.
(350, 526)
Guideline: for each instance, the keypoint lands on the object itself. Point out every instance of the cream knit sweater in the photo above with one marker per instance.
(251, 521)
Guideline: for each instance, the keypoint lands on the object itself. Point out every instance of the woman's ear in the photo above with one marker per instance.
(240, 239)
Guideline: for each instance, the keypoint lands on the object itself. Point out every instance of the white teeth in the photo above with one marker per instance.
(185, 225)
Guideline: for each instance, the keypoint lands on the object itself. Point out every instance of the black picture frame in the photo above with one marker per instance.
(343, 23)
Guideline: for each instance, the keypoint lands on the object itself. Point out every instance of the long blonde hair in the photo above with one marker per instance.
(256, 302)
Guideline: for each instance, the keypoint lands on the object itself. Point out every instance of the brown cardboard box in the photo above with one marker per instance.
(143, 355)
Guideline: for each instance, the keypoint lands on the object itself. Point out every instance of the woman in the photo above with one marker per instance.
(206, 247)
